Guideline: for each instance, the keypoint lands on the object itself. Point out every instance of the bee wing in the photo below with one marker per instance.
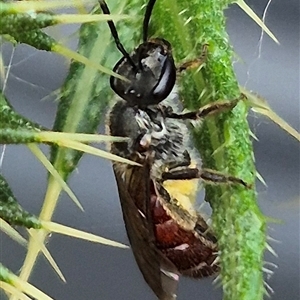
(134, 190)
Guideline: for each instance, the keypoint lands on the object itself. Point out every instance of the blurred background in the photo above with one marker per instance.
(98, 272)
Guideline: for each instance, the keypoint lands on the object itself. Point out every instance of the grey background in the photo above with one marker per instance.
(98, 272)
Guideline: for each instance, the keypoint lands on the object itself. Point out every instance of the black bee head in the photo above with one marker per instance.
(151, 74)
(150, 70)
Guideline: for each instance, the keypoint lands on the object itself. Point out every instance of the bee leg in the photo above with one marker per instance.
(194, 63)
(207, 175)
(185, 162)
(214, 177)
(207, 110)
(182, 174)
(203, 230)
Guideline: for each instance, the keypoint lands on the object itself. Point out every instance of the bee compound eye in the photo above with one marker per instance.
(167, 79)
(153, 79)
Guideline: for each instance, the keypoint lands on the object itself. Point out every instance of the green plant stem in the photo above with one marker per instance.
(52, 193)
(84, 97)
(11, 211)
(223, 141)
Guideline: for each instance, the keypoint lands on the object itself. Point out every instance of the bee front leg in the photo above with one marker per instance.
(194, 63)
(207, 110)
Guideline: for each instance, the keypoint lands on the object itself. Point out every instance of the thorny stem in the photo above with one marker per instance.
(223, 141)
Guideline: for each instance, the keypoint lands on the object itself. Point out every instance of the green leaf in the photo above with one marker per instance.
(15, 128)
(11, 211)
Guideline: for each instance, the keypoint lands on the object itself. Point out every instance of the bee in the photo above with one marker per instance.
(168, 236)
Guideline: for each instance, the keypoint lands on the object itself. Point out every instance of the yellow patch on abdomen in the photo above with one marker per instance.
(184, 191)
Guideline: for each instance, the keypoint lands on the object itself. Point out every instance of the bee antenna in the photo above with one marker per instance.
(115, 35)
(148, 13)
